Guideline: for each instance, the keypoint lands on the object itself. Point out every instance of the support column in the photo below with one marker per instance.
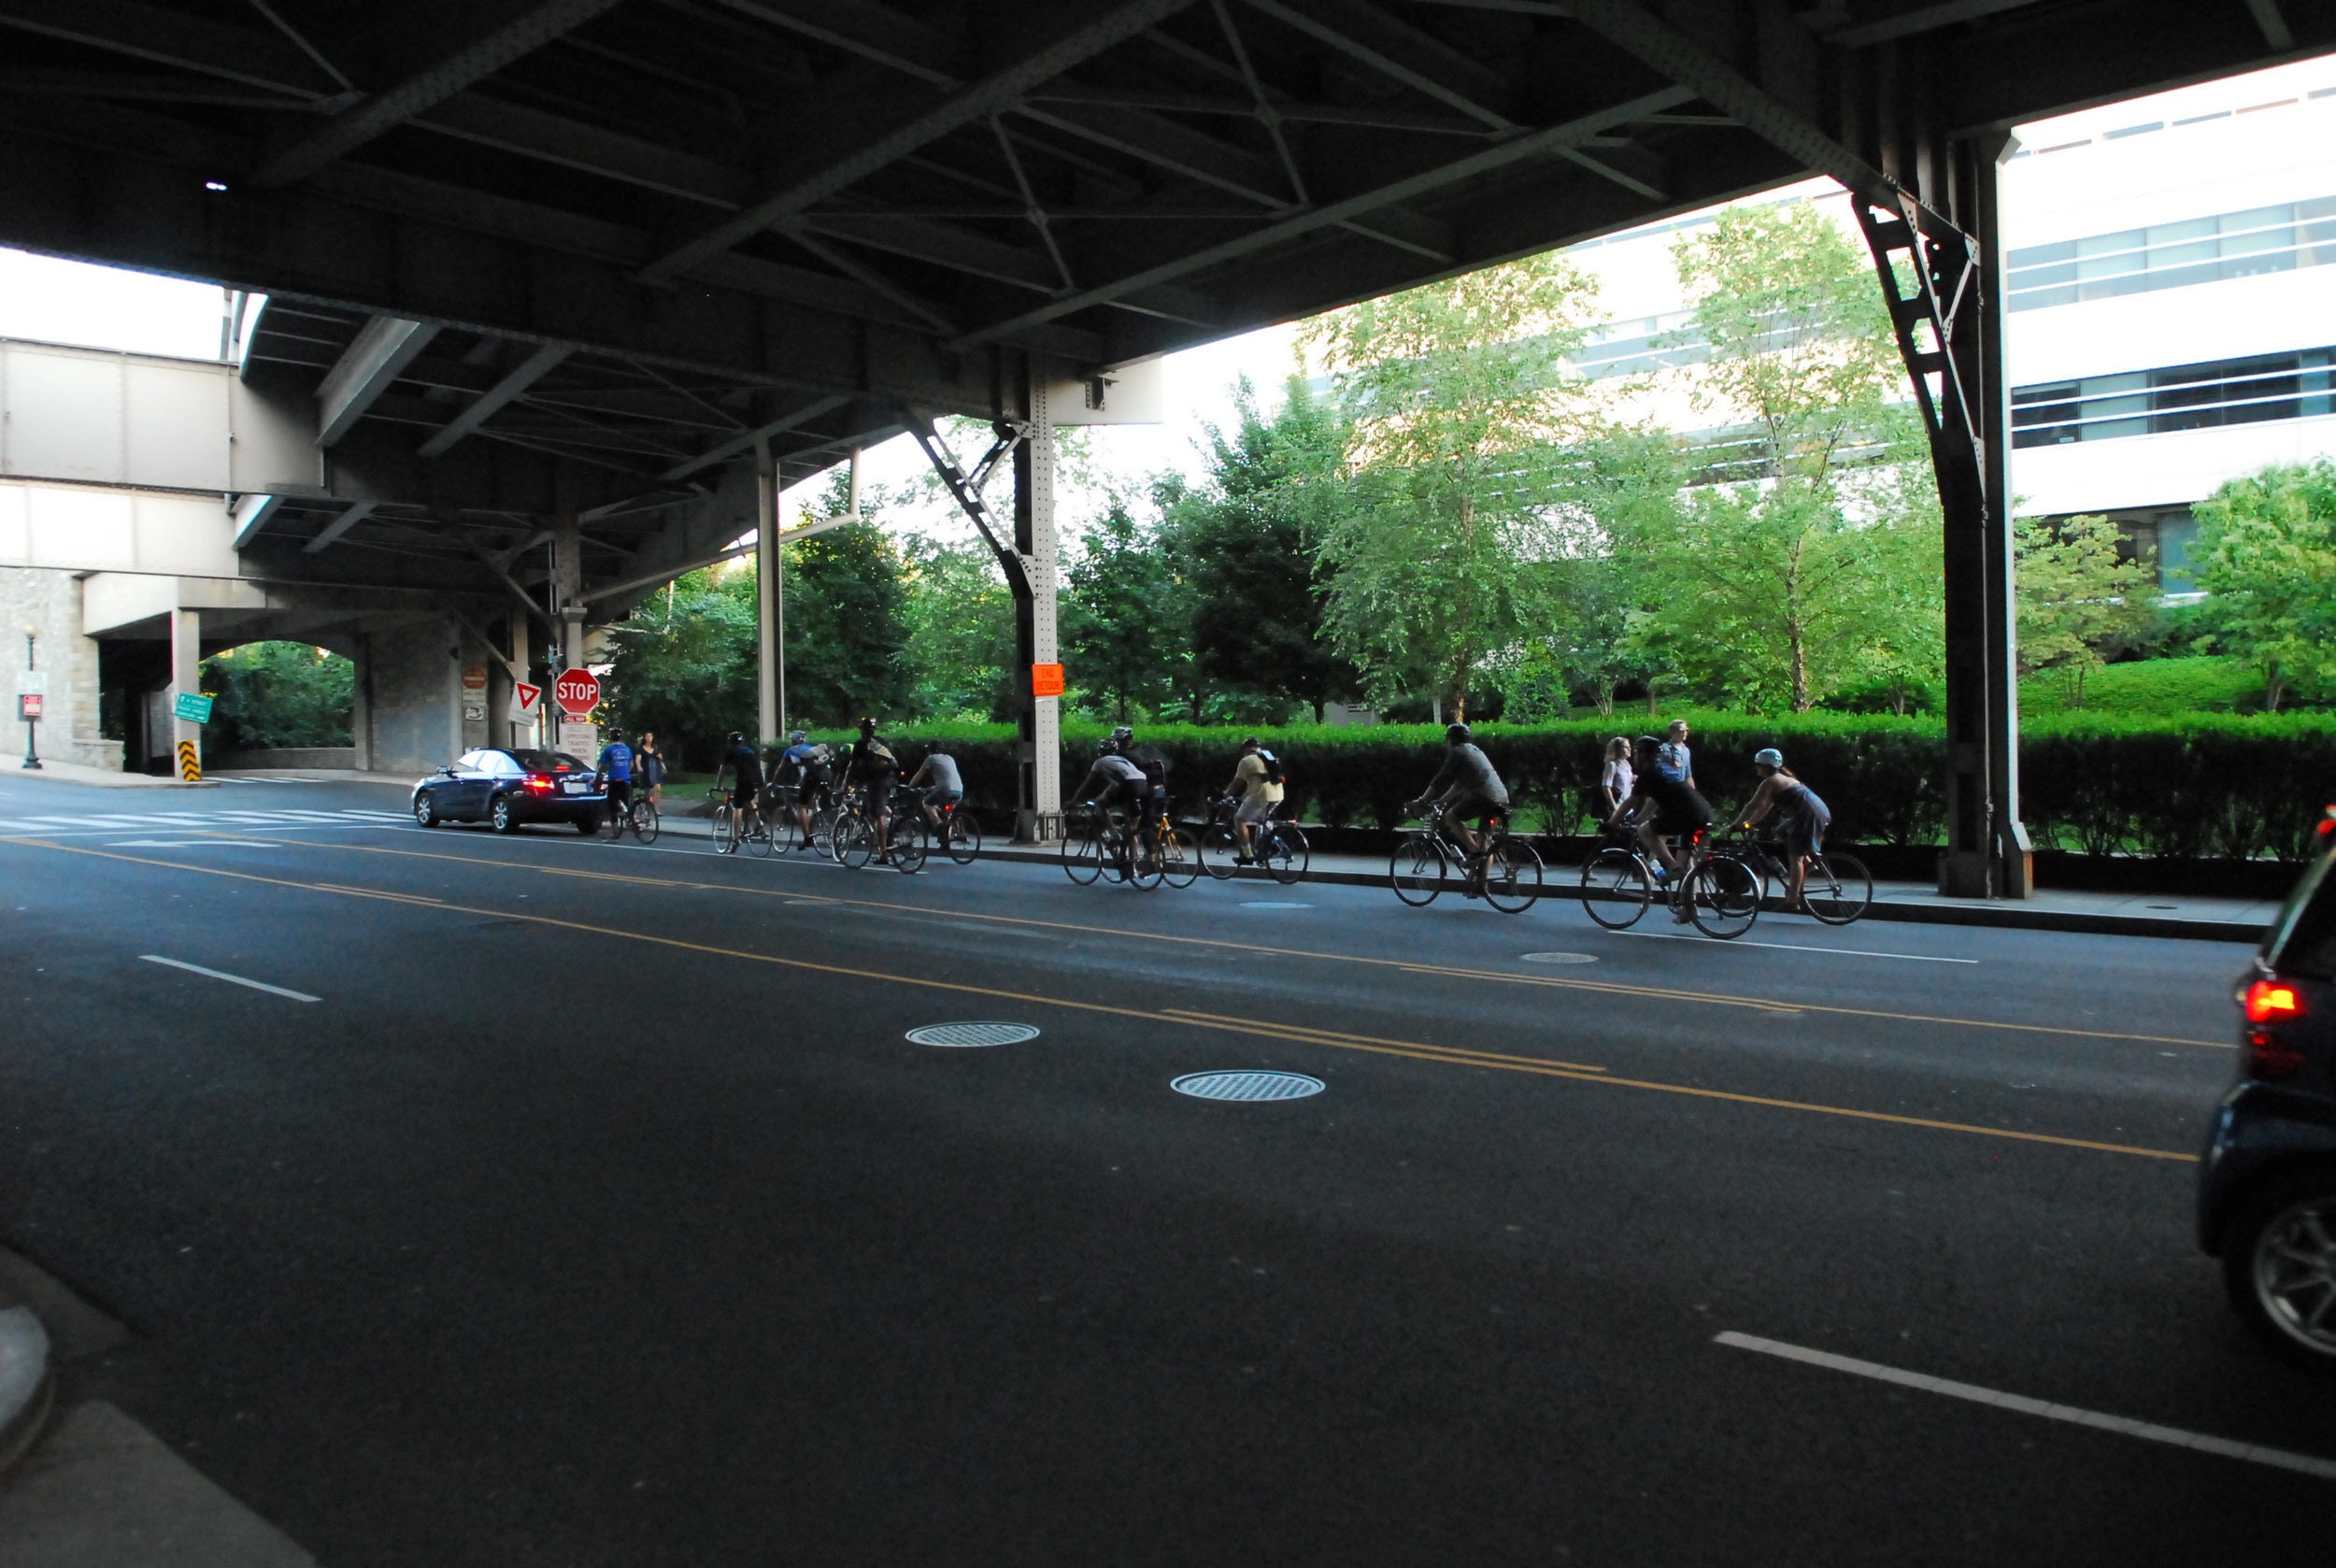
(1949, 332)
(186, 680)
(517, 732)
(567, 568)
(1041, 821)
(361, 707)
(770, 601)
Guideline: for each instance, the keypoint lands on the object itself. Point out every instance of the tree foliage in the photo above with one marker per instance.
(1460, 416)
(1127, 623)
(2266, 550)
(279, 695)
(2077, 601)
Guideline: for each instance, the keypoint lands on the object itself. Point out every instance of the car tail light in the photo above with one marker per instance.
(2272, 1002)
(539, 784)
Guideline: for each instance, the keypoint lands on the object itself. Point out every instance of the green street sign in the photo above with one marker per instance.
(193, 708)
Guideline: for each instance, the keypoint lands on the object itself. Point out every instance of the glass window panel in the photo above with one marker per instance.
(2164, 256)
(2192, 228)
(2041, 299)
(2033, 255)
(2102, 245)
(2262, 239)
(2255, 218)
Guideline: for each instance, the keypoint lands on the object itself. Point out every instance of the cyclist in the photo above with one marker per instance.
(1799, 812)
(746, 766)
(1678, 809)
(1117, 777)
(876, 770)
(1257, 779)
(943, 785)
(800, 773)
(1470, 786)
(616, 777)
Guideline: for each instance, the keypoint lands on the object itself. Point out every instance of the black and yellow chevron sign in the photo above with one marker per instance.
(190, 766)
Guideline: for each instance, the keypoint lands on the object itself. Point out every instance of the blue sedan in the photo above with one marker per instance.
(510, 788)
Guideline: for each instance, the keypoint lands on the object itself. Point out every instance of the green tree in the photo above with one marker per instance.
(276, 695)
(2266, 551)
(685, 666)
(1127, 621)
(2076, 599)
(1245, 538)
(848, 627)
(1460, 413)
(1814, 566)
(960, 631)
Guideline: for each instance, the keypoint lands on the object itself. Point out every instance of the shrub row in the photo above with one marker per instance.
(2211, 786)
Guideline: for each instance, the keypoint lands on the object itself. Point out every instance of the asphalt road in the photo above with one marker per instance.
(599, 1212)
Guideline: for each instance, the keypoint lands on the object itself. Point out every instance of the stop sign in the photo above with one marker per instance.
(577, 691)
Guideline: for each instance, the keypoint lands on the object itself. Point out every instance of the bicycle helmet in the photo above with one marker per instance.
(1122, 736)
(867, 726)
(796, 737)
(735, 737)
(1455, 735)
(1768, 757)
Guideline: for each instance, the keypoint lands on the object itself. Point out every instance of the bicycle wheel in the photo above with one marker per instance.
(1286, 853)
(1512, 876)
(1615, 887)
(1417, 869)
(1723, 897)
(1220, 848)
(855, 841)
(1082, 854)
(1180, 859)
(1839, 888)
(725, 831)
(645, 824)
(964, 838)
(759, 840)
(909, 847)
(1145, 866)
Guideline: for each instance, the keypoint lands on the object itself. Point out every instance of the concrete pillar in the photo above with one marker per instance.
(360, 709)
(1040, 820)
(186, 680)
(770, 600)
(518, 733)
(567, 568)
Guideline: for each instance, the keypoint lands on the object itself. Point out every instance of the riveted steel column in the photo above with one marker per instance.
(1040, 819)
(770, 624)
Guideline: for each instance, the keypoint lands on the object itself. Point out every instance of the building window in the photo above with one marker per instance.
(2173, 255)
(2290, 386)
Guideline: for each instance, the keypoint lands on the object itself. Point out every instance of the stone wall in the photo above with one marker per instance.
(51, 601)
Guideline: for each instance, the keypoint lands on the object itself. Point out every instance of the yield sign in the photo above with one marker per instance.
(526, 702)
(577, 691)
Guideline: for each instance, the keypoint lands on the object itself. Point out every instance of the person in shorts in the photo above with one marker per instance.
(1257, 783)
(1469, 787)
(1662, 806)
(941, 783)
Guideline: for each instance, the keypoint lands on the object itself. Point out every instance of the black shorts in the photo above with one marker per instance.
(1489, 813)
(619, 793)
(880, 791)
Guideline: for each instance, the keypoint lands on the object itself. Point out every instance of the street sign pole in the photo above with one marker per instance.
(30, 688)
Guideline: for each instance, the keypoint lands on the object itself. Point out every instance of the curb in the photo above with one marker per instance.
(1993, 916)
(28, 1386)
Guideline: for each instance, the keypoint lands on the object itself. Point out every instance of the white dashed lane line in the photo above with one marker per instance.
(230, 979)
(1794, 948)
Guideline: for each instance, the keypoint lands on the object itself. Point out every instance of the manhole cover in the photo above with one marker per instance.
(1246, 1086)
(1272, 904)
(1559, 958)
(972, 1033)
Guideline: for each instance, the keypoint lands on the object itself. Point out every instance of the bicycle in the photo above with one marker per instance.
(960, 834)
(1837, 890)
(1506, 870)
(1178, 855)
(856, 838)
(1280, 847)
(640, 815)
(736, 826)
(1098, 842)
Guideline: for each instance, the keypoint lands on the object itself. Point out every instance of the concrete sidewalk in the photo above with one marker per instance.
(73, 773)
(2119, 914)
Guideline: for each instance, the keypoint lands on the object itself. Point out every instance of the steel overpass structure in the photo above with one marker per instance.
(563, 288)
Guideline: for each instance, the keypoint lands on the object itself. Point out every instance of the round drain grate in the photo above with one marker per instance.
(1272, 904)
(1246, 1086)
(1559, 958)
(973, 1033)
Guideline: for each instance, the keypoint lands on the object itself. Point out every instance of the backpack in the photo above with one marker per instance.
(875, 752)
(1274, 774)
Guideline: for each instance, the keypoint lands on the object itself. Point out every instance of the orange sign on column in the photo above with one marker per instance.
(1046, 680)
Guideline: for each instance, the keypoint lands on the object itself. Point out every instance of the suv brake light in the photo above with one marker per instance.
(2272, 1002)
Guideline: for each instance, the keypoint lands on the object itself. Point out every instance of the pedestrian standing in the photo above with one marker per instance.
(1672, 759)
(649, 762)
(1616, 777)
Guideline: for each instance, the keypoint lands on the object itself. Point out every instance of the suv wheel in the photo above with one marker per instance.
(2279, 1265)
(504, 821)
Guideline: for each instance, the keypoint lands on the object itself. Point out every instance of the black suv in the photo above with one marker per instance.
(2267, 1188)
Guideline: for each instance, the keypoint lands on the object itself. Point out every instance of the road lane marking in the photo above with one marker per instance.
(1613, 988)
(1796, 948)
(1299, 1031)
(2148, 1432)
(230, 979)
(1448, 1055)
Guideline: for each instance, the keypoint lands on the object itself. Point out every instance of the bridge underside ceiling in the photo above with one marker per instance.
(577, 257)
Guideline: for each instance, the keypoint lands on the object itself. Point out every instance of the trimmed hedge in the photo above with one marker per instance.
(2202, 787)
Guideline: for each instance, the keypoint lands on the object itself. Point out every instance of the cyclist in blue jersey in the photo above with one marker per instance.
(616, 775)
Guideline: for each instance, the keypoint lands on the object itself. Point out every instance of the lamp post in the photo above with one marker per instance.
(28, 703)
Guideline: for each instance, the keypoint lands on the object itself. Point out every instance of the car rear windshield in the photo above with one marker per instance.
(2303, 939)
(547, 761)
